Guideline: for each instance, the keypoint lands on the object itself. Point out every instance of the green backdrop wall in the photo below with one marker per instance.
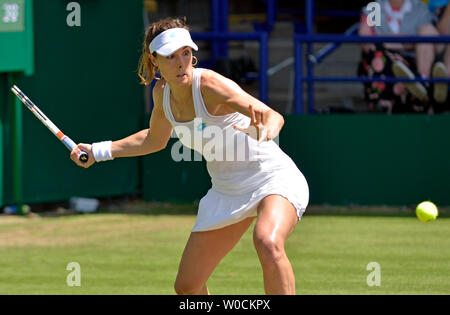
(85, 81)
(372, 159)
(360, 159)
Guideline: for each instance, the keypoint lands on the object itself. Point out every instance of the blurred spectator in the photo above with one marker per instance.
(402, 60)
(441, 11)
(437, 7)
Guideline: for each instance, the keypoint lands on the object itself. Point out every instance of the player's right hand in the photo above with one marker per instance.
(76, 152)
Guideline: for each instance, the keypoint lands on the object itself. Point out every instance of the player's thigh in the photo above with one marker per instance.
(204, 250)
(277, 218)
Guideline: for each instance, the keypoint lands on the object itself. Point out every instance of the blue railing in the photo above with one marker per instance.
(310, 38)
(219, 24)
(325, 38)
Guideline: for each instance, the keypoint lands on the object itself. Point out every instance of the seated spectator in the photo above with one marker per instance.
(441, 11)
(402, 60)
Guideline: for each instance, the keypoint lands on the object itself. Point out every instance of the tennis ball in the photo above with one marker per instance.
(426, 211)
(25, 209)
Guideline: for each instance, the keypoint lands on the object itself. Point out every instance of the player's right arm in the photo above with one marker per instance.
(146, 141)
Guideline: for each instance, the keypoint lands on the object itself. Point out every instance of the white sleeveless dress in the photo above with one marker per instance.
(242, 171)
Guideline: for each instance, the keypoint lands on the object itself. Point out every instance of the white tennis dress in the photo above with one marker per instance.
(242, 171)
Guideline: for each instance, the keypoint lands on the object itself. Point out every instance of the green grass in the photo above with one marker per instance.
(139, 254)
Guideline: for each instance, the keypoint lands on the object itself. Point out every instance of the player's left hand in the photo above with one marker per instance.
(257, 130)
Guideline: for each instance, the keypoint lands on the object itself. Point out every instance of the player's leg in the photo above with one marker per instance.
(276, 220)
(203, 252)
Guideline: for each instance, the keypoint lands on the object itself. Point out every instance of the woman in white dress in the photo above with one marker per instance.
(262, 182)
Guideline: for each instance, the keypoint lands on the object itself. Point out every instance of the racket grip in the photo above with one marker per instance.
(83, 156)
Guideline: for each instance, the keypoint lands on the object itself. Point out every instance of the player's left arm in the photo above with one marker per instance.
(221, 91)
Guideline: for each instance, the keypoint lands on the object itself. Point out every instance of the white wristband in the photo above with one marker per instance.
(102, 151)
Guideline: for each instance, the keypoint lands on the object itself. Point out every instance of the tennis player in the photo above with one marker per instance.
(266, 184)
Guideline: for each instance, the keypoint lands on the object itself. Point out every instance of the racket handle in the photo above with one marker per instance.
(83, 156)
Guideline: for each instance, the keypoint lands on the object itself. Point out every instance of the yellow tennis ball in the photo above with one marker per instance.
(426, 211)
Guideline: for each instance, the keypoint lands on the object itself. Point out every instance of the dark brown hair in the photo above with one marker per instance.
(146, 70)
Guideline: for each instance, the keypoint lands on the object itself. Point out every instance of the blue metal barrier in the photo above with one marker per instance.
(310, 38)
(219, 24)
(330, 48)
(262, 38)
(271, 16)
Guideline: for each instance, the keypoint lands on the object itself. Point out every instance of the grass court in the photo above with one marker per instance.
(137, 251)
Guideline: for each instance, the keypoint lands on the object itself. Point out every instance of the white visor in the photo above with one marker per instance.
(171, 40)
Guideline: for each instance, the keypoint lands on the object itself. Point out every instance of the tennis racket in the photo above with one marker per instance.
(83, 156)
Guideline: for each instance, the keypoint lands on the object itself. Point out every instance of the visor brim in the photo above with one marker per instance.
(170, 48)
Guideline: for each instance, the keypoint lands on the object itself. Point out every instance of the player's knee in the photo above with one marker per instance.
(270, 251)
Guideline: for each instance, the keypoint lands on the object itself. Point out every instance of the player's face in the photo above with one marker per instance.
(176, 68)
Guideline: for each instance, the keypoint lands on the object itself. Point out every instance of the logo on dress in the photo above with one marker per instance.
(214, 143)
(201, 126)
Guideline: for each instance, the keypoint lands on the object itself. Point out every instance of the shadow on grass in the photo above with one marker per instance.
(118, 205)
(133, 205)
